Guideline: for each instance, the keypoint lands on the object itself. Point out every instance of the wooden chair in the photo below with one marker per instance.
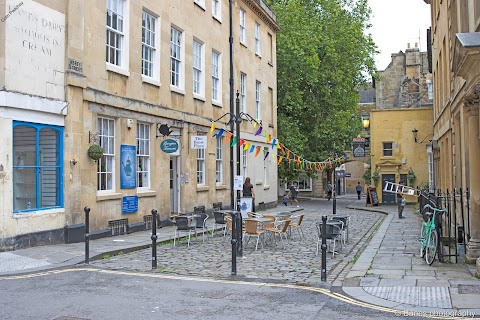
(228, 221)
(279, 231)
(298, 225)
(251, 230)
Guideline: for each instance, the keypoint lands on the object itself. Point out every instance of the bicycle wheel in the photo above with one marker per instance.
(422, 241)
(431, 247)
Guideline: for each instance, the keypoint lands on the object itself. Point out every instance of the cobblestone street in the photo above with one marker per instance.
(296, 263)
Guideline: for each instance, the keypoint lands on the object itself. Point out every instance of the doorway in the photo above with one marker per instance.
(174, 185)
(387, 197)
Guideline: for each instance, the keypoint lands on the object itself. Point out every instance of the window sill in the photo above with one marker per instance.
(217, 104)
(266, 187)
(197, 97)
(219, 20)
(146, 193)
(202, 188)
(257, 182)
(243, 44)
(270, 63)
(116, 69)
(38, 213)
(258, 55)
(151, 81)
(220, 187)
(202, 6)
(177, 90)
(108, 196)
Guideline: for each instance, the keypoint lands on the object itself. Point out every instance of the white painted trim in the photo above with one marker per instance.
(33, 103)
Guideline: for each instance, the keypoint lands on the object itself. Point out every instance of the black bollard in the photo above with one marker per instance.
(234, 243)
(324, 249)
(154, 239)
(239, 235)
(87, 234)
(334, 203)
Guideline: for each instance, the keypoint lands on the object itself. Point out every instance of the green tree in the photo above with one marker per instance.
(323, 54)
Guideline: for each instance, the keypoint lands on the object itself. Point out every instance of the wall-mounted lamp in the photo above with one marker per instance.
(366, 121)
(415, 132)
(73, 161)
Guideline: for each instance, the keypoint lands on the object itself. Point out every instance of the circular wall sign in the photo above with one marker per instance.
(169, 146)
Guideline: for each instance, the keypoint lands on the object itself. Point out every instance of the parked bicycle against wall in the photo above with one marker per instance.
(428, 234)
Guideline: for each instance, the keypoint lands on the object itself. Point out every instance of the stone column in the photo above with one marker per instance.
(473, 247)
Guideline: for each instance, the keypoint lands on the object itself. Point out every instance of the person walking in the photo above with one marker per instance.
(249, 192)
(329, 190)
(293, 194)
(401, 201)
(359, 190)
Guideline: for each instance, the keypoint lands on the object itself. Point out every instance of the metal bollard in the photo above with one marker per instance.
(334, 204)
(234, 243)
(324, 249)
(239, 235)
(87, 234)
(154, 239)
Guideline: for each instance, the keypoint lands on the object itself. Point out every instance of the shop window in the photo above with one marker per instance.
(38, 166)
(303, 183)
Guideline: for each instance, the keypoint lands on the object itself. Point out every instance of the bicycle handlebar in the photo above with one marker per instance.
(434, 209)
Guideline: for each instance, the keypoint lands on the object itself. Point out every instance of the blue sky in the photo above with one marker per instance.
(397, 23)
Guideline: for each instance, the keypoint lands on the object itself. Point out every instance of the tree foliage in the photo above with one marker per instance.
(323, 55)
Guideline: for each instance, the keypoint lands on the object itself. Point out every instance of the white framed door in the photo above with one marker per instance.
(175, 184)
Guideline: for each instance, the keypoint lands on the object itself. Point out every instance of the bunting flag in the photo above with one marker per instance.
(229, 136)
(234, 141)
(288, 155)
(242, 142)
(220, 133)
(258, 151)
(279, 160)
(247, 145)
(269, 138)
(266, 155)
(254, 125)
(259, 131)
(274, 143)
(252, 148)
(212, 127)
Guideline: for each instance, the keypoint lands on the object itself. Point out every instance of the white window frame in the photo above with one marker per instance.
(258, 50)
(219, 161)
(243, 27)
(387, 149)
(430, 90)
(243, 92)
(200, 3)
(143, 155)
(258, 91)
(118, 9)
(216, 78)
(198, 65)
(177, 58)
(106, 139)
(431, 169)
(150, 43)
(201, 169)
(296, 181)
(217, 9)
(244, 163)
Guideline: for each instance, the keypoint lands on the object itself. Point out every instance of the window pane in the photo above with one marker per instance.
(49, 196)
(24, 189)
(48, 147)
(24, 145)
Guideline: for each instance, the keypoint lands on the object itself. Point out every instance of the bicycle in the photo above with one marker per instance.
(429, 236)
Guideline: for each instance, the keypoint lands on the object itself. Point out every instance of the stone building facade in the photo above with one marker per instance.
(113, 73)
(455, 44)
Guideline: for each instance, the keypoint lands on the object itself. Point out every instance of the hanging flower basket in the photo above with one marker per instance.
(411, 177)
(95, 152)
(375, 178)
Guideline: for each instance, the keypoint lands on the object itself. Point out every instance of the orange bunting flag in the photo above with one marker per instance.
(269, 138)
(258, 151)
(212, 127)
(242, 142)
(288, 154)
(229, 136)
(283, 150)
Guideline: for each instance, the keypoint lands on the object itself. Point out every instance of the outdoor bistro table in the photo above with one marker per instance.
(344, 218)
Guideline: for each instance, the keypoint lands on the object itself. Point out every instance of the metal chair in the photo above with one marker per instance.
(345, 222)
(183, 225)
(219, 220)
(201, 223)
(332, 235)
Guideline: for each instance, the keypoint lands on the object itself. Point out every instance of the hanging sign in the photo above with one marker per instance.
(238, 183)
(169, 146)
(128, 167)
(199, 142)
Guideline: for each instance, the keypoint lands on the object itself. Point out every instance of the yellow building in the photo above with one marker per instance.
(113, 73)
(394, 149)
(455, 45)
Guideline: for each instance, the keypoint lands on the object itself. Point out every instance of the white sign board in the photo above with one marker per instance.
(245, 206)
(35, 54)
(238, 183)
(199, 142)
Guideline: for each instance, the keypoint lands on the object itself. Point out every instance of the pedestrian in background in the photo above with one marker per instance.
(329, 190)
(401, 201)
(293, 194)
(359, 190)
(248, 191)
